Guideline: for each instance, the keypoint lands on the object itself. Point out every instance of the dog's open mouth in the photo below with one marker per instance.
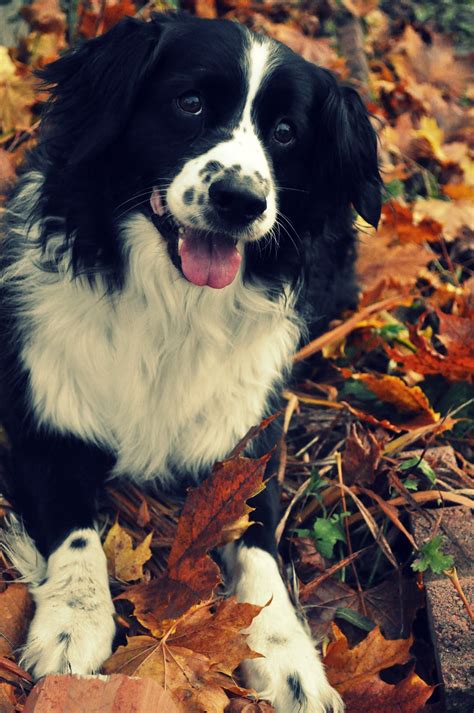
(205, 258)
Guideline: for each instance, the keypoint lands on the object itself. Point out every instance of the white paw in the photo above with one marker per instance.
(291, 676)
(290, 673)
(73, 627)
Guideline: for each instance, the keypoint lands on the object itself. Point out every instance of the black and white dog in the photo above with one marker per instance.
(183, 224)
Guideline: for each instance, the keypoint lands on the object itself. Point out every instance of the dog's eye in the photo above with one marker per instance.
(190, 102)
(284, 132)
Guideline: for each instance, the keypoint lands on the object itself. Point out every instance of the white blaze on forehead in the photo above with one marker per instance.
(244, 149)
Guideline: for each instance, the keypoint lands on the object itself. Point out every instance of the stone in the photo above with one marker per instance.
(99, 694)
(451, 628)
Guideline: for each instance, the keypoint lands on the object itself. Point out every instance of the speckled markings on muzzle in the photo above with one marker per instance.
(241, 157)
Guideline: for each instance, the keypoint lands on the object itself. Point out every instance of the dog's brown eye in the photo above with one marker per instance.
(284, 132)
(190, 103)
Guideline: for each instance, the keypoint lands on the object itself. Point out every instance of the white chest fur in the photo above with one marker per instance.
(168, 374)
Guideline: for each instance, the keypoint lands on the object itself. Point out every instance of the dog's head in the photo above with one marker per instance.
(222, 137)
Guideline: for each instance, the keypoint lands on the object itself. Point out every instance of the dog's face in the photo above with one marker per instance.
(222, 137)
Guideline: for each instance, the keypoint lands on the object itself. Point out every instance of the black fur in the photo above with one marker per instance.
(110, 125)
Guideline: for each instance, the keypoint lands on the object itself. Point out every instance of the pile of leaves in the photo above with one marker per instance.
(380, 427)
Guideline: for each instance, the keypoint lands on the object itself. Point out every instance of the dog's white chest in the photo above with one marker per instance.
(168, 374)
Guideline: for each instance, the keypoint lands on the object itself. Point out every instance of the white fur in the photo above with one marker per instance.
(244, 149)
(73, 626)
(279, 635)
(167, 374)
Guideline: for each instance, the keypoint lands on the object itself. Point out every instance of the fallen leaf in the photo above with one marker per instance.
(453, 216)
(7, 170)
(381, 260)
(347, 668)
(407, 696)
(400, 226)
(360, 457)
(459, 191)
(124, 561)
(355, 674)
(408, 400)
(7, 698)
(457, 335)
(45, 15)
(215, 513)
(360, 8)
(243, 705)
(16, 609)
(195, 658)
(96, 17)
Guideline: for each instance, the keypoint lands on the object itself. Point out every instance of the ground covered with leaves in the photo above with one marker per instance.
(380, 429)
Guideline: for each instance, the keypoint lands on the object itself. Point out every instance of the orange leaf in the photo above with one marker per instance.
(408, 400)
(16, 609)
(457, 335)
(348, 667)
(196, 656)
(408, 696)
(214, 514)
(453, 216)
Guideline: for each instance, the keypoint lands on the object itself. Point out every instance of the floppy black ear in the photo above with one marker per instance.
(350, 144)
(93, 88)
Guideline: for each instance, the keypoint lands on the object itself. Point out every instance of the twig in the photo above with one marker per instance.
(453, 577)
(348, 534)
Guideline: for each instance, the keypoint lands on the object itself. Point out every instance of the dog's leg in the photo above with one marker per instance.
(291, 674)
(55, 481)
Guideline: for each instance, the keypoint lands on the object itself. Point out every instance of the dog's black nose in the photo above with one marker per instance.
(236, 201)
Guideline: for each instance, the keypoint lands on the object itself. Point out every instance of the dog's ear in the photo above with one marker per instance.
(347, 148)
(93, 89)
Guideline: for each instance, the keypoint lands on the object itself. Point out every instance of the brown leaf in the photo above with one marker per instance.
(195, 658)
(360, 8)
(125, 562)
(214, 514)
(243, 705)
(96, 18)
(380, 259)
(408, 400)
(348, 667)
(16, 609)
(457, 335)
(400, 226)
(317, 50)
(453, 216)
(409, 696)
(16, 95)
(45, 16)
(7, 698)
(360, 457)
(7, 170)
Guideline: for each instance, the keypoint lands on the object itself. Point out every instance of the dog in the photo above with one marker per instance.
(184, 223)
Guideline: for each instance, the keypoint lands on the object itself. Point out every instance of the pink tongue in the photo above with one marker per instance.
(211, 261)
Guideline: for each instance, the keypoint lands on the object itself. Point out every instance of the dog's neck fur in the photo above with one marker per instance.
(166, 374)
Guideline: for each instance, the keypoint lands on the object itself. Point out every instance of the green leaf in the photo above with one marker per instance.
(411, 483)
(393, 189)
(420, 464)
(328, 531)
(353, 617)
(432, 557)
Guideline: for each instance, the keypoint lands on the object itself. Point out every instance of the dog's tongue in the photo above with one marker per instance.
(212, 261)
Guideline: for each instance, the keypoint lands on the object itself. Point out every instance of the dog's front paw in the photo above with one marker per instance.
(291, 675)
(73, 627)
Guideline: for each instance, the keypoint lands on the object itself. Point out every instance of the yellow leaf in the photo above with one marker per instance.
(430, 131)
(123, 560)
(7, 66)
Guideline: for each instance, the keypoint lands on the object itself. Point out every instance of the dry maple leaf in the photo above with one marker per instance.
(215, 513)
(355, 674)
(380, 260)
(16, 609)
(195, 658)
(45, 16)
(453, 216)
(407, 400)
(96, 17)
(7, 698)
(456, 334)
(125, 562)
(360, 457)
